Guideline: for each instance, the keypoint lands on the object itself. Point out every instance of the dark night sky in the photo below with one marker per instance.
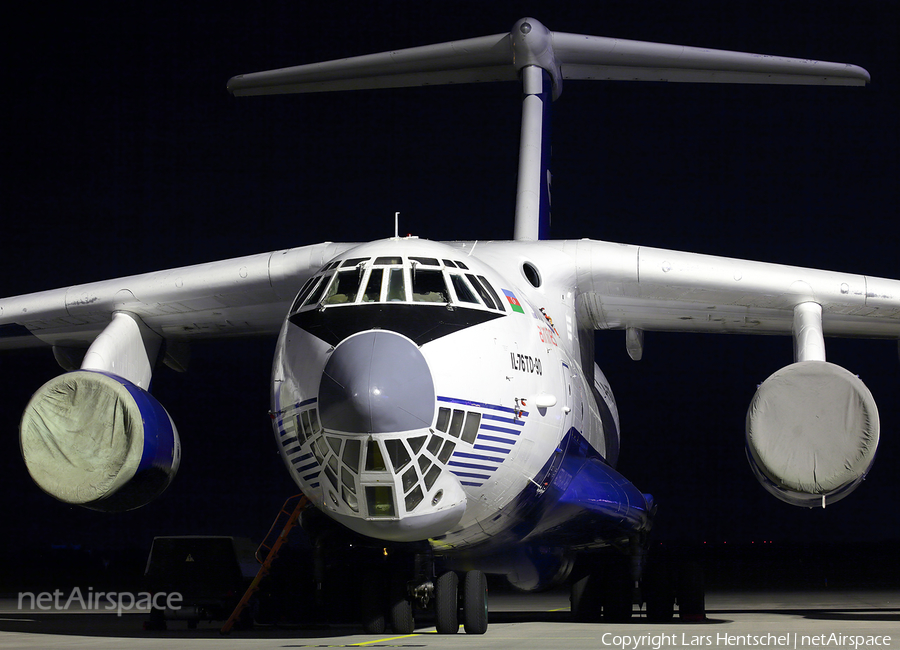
(123, 153)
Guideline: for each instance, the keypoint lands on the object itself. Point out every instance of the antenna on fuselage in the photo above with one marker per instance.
(541, 59)
(396, 225)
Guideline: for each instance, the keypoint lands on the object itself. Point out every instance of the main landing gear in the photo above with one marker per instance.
(607, 587)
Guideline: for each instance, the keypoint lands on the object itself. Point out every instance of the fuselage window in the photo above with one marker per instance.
(462, 266)
(344, 288)
(388, 260)
(429, 286)
(456, 423)
(396, 286)
(470, 429)
(463, 292)
(485, 296)
(373, 286)
(449, 263)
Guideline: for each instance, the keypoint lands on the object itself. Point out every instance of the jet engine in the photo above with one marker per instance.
(811, 432)
(97, 440)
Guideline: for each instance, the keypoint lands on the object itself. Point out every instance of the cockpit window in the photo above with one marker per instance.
(307, 287)
(463, 292)
(426, 261)
(485, 296)
(394, 278)
(373, 286)
(316, 295)
(429, 286)
(487, 285)
(396, 286)
(344, 288)
(388, 260)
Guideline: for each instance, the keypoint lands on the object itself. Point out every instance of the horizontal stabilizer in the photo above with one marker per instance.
(563, 56)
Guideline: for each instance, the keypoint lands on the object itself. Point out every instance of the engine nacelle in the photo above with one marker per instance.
(812, 432)
(96, 440)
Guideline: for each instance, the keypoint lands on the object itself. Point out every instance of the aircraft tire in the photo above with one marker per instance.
(402, 621)
(475, 603)
(658, 596)
(617, 592)
(446, 604)
(585, 600)
(372, 605)
(690, 593)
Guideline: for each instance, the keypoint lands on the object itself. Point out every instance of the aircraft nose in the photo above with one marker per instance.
(376, 382)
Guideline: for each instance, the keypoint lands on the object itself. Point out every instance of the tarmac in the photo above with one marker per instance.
(798, 619)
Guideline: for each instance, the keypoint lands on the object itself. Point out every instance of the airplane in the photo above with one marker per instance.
(490, 466)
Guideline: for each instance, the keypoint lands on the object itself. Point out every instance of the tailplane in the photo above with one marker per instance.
(541, 60)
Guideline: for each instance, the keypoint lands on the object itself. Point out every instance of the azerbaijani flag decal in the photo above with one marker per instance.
(513, 301)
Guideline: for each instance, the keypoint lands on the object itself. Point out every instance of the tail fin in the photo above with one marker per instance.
(542, 60)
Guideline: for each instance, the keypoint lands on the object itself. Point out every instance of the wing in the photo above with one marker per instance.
(639, 288)
(238, 297)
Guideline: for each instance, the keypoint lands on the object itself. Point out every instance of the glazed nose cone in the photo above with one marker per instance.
(376, 382)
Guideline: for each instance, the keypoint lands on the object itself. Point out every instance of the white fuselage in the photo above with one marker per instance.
(446, 388)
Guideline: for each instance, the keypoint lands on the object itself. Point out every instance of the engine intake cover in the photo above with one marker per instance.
(812, 431)
(97, 440)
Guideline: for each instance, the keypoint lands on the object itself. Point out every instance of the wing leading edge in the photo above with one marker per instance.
(238, 297)
(624, 286)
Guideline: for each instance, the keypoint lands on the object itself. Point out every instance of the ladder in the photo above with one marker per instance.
(286, 520)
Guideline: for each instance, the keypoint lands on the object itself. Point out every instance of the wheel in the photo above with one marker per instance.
(402, 621)
(658, 595)
(475, 603)
(371, 604)
(690, 594)
(585, 600)
(446, 604)
(618, 597)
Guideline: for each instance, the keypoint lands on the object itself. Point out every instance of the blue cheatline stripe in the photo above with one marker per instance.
(470, 475)
(309, 477)
(288, 441)
(486, 468)
(497, 418)
(489, 427)
(470, 484)
(292, 450)
(306, 468)
(495, 449)
(312, 400)
(468, 402)
(484, 436)
(492, 459)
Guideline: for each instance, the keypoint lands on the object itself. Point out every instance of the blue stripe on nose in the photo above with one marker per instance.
(376, 382)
